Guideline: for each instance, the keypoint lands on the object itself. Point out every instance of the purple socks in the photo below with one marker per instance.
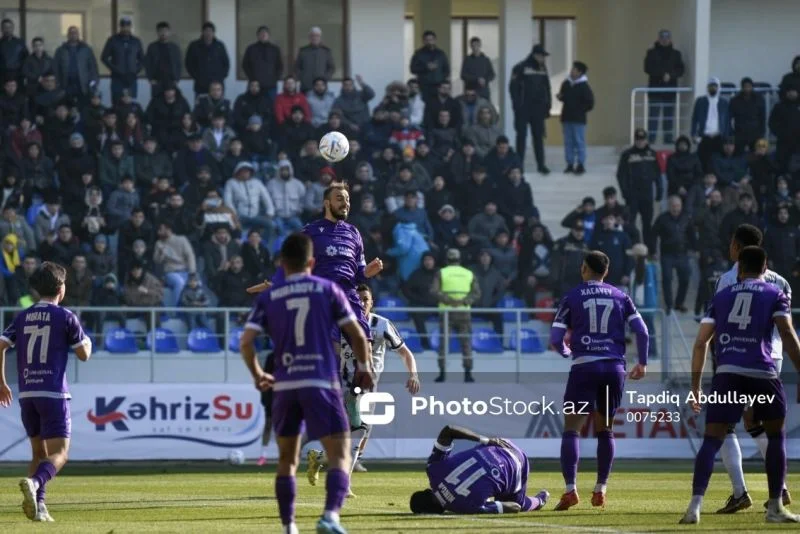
(47, 471)
(569, 456)
(704, 465)
(285, 491)
(605, 455)
(336, 484)
(776, 464)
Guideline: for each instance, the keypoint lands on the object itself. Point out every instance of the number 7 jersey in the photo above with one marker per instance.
(596, 313)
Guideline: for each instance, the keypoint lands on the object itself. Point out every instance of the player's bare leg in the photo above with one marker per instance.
(776, 473)
(703, 468)
(285, 481)
(605, 456)
(337, 481)
(55, 456)
(570, 455)
(265, 441)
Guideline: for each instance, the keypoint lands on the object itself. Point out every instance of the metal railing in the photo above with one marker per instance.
(503, 332)
(680, 106)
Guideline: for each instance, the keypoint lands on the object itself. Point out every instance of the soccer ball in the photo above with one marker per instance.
(236, 457)
(334, 146)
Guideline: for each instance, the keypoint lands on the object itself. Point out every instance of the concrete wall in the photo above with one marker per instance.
(766, 54)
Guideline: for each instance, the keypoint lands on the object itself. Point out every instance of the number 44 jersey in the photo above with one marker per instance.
(43, 335)
(596, 313)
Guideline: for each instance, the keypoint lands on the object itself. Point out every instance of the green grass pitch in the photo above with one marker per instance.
(196, 498)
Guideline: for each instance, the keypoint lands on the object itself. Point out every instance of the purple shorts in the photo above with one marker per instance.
(738, 385)
(321, 409)
(358, 309)
(596, 386)
(46, 418)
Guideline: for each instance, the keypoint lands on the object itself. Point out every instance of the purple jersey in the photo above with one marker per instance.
(298, 315)
(463, 482)
(743, 318)
(338, 252)
(596, 313)
(43, 335)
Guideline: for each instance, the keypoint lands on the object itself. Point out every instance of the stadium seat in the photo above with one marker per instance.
(511, 302)
(203, 340)
(121, 341)
(529, 341)
(436, 340)
(486, 340)
(165, 341)
(178, 327)
(236, 335)
(137, 326)
(411, 339)
(386, 303)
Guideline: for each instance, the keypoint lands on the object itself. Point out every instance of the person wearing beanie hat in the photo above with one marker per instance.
(749, 116)
(578, 100)
(710, 123)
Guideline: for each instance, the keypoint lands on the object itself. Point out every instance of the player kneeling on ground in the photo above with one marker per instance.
(43, 334)
(491, 478)
(384, 334)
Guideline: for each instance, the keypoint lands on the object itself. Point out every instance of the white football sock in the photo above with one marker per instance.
(264, 451)
(599, 488)
(732, 459)
(570, 487)
(696, 503)
(333, 517)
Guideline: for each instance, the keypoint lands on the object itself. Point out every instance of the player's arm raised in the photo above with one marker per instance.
(791, 344)
(5, 391)
(699, 352)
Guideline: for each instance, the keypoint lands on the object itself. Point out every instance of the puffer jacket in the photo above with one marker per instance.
(683, 168)
(409, 247)
(287, 195)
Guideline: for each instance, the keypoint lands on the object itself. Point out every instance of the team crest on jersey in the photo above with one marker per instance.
(321, 229)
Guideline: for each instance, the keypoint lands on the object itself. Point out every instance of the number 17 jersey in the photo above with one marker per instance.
(596, 313)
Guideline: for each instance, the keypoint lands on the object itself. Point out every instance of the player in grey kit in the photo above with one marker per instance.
(43, 335)
(298, 315)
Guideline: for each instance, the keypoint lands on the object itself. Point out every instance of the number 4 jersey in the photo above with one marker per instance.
(43, 335)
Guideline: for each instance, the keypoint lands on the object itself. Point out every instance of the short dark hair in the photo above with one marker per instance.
(161, 25)
(48, 279)
(752, 260)
(363, 287)
(475, 40)
(597, 261)
(296, 250)
(425, 502)
(7, 20)
(746, 195)
(609, 191)
(166, 224)
(209, 25)
(747, 235)
(136, 210)
(320, 79)
(347, 79)
(429, 32)
(37, 40)
(334, 186)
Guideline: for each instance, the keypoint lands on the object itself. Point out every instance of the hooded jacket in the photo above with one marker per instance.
(530, 91)
(748, 116)
(683, 168)
(483, 136)
(287, 195)
(637, 171)
(578, 99)
(791, 78)
(249, 198)
(409, 246)
(700, 114)
(492, 284)
(662, 60)
(417, 289)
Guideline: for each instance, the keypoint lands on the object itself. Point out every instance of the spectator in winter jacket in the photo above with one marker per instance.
(61, 248)
(100, 259)
(713, 251)
(162, 63)
(614, 243)
(256, 142)
(183, 220)
(218, 252)
(398, 186)
(515, 198)
(11, 191)
(444, 137)
(75, 162)
(176, 259)
(56, 132)
(250, 199)
(231, 283)
(315, 192)
(484, 133)
(194, 295)
(697, 199)
(782, 243)
(123, 55)
(504, 257)
(335, 123)
(531, 99)
(354, 103)
(410, 212)
(151, 164)
(213, 213)
(637, 173)
(368, 215)
(135, 229)
(781, 197)
(295, 133)
(122, 202)
(14, 105)
(784, 123)
(366, 183)
(233, 157)
(745, 213)
(252, 102)
(207, 60)
(578, 100)
(471, 104)
(288, 99)
(211, 104)
(47, 99)
(446, 227)
(263, 63)
(404, 135)
(501, 159)
(484, 226)
(413, 104)
(314, 60)
(409, 246)
(12, 223)
(535, 251)
(430, 65)
(75, 67)
(36, 65)
(664, 67)
(585, 212)
(567, 257)
(730, 169)
(376, 134)
(683, 170)
(218, 136)
(142, 288)
(477, 69)
(115, 165)
(79, 283)
(38, 170)
(437, 196)
(443, 101)
(24, 133)
(417, 291)
(320, 101)
(493, 284)
(748, 116)
(288, 194)
(257, 261)
(13, 52)
(191, 158)
(310, 164)
(460, 165)
(710, 123)
(479, 190)
(762, 169)
(675, 231)
(92, 220)
(791, 78)
(164, 113)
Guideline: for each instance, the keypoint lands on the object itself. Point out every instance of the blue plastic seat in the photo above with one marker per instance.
(486, 340)
(165, 341)
(121, 341)
(529, 341)
(510, 302)
(203, 340)
(436, 340)
(387, 303)
(411, 339)
(236, 335)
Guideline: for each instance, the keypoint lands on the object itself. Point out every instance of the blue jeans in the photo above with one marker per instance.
(176, 281)
(288, 225)
(117, 86)
(656, 108)
(574, 142)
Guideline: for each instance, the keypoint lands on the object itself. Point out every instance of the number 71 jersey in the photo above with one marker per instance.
(596, 313)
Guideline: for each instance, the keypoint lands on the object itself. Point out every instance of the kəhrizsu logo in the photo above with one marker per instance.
(194, 418)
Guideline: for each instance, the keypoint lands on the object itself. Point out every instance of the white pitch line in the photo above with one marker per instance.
(553, 526)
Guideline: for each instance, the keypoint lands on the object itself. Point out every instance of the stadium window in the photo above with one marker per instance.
(146, 14)
(289, 22)
(557, 35)
(9, 9)
(50, 20)
(409, 46)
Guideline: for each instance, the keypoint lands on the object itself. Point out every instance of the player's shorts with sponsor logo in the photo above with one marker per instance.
(733, 387)
(46, 418)
(321, 409)
(598, 385)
